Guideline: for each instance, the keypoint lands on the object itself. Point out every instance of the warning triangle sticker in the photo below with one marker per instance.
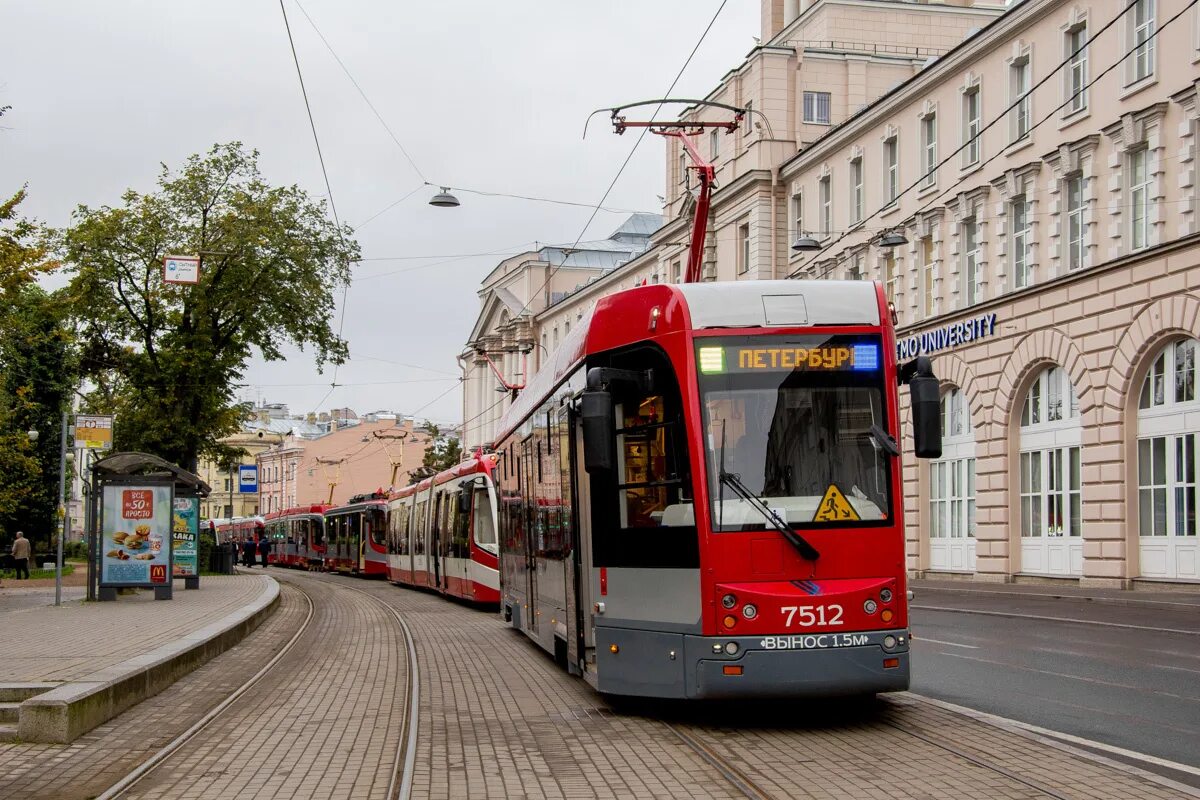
(835, 507)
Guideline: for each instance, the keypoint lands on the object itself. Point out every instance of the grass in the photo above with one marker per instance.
(35, 574)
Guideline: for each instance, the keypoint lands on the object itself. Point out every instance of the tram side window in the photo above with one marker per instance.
(375, 520)
(485, 531)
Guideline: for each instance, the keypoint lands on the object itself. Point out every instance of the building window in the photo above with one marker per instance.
(749, 117)
(855, 272)
(743, 233)
(826, 192)
(890, 278)
(1141, 28)
(1051, 398)
(1023, 110)
(856, 191)
(798, 214)
(952, 489)
(1074, 227)
(972, 272)
(683, 173)
(1050, 482)
(1139, 198)
(971, 126)
(929, 149)
(1019, 211)
(714, 144)
(927, 276)
(677, 271)
(1172, 377)
(891, 160)
(1077, 69)
(816, 107)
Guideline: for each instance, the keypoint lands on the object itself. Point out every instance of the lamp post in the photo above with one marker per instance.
(63, 516)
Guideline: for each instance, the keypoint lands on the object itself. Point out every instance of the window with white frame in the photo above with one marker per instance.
(816, 107)
(1168, 436)
(683, 173)
(1076, 252)
(714, 144)
(855, 270)
(952, 480)
(677, 271)
(1050, 481)
(1022, 113)
(798, 214)
(927, 287)
(1075, 44)
(1139, 198)
(972, 123)
(929, 149)
(825, 187)
(972, 277)
(856, 190)
(749, 117)
(890, 278)
(891, 161)
(1018, 211)
(743, 233)
(1140, 27)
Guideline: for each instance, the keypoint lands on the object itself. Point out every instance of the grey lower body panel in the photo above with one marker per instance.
(674, 665)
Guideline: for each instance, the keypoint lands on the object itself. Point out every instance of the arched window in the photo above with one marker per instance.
(952, 489)
(1168, 429)
(1050, 480)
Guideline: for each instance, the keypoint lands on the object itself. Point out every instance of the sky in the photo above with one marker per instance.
(483, 95)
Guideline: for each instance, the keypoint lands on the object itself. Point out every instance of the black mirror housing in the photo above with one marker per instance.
(926, 414)
(599, 432)
(464, 500)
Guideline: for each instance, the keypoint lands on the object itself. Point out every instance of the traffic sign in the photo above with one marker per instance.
(247, 479)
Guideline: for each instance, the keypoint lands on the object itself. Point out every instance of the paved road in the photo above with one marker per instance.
(1123, 673)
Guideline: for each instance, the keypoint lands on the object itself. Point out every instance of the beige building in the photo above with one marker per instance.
(343, 463)
(1042, 172)
(225, 501)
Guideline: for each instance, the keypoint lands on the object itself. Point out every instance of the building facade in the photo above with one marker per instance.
(1041, 168)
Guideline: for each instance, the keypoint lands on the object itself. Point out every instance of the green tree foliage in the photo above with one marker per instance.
(166, 358)
(444, 451)
(37, 376)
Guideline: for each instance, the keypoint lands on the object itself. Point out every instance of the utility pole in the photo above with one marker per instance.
(63, 516)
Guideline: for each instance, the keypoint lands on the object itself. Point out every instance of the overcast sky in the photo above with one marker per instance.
(484, 95)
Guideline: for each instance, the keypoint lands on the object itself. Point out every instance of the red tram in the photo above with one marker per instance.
(297, 536)
(356, 536)
(238, 529)
(700, 493)
(442, 532)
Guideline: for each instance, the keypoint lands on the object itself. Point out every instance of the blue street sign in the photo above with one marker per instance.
(247, 479)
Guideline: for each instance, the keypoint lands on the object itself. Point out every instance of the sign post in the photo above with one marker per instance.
(185, 541)
(181, 269)
(135, 536)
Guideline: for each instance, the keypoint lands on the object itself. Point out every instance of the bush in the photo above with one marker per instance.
(204, 551)
(75, 551)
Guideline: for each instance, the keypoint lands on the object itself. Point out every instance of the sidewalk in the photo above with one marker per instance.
(72, 667)
(1176, 597)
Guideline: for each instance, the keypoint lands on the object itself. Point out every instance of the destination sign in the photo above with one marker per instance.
(824, 358)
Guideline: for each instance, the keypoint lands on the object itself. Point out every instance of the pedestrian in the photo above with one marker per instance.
(264, 549)
(248, 552)
(20, 554)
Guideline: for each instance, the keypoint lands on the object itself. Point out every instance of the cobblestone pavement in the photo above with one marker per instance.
(49, 643)
(99, 758)
(15, 599)
(499, 719)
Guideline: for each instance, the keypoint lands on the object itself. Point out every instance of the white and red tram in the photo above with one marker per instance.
(297, 536)
(355, 536)
(442, 532)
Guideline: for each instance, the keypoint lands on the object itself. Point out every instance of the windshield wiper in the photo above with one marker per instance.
(806, 550)
(884, 440)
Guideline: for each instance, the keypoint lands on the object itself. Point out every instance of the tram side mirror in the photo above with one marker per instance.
(927, 430)
(599, 431)
(464, 502)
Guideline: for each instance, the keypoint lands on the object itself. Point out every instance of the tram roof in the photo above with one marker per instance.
(616, 320)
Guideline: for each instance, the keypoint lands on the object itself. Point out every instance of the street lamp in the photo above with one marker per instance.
(444, 199)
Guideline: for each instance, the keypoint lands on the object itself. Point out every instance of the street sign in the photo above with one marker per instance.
(181, 269)
(247, 479)
(93, 432)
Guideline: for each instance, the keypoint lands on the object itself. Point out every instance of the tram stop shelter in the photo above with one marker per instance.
(143, 525)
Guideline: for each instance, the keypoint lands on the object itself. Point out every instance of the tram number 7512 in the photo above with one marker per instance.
(807, 616)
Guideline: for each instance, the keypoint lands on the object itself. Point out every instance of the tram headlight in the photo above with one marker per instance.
(870, 606)
(886, 595)
(729, 601)
(731, 648)
(749, 611)
(889, 642)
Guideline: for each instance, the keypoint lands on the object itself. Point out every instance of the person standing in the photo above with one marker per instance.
(248, 552)
(20, 554)
(264, 549)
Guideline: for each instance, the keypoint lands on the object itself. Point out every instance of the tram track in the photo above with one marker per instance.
(734, 776)
(400, 778)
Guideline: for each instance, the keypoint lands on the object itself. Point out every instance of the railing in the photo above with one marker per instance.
(872, 47)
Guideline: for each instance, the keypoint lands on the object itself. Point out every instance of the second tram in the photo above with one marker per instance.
(355, 536)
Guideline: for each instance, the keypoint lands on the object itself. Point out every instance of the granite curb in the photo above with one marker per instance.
(72, 709)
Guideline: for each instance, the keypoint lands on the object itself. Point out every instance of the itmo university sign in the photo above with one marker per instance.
(947, 336)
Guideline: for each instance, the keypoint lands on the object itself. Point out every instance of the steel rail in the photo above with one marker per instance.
(738, 779)
(149, 765)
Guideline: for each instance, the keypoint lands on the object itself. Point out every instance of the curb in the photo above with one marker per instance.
(67, 712)
(1157, 602)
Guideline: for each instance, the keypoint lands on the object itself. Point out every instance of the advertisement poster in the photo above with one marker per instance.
(135, 536)
(185, 530)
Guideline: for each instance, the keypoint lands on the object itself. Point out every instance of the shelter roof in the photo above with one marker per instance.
(148, 466)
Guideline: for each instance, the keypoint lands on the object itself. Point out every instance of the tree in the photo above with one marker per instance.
(444, 451)
(165, 358)
(37, 377)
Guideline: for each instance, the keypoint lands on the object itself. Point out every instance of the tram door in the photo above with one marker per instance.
(439, 514)
(533, 532)
(575, 493)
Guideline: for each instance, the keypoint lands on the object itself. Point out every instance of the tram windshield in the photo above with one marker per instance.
(799, 422)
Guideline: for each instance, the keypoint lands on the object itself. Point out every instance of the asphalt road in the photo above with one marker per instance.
(1123, 673)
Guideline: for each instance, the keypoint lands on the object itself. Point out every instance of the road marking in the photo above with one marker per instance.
(999, 721)
(939, 641)
(1130, 601)
(1053, 619)
(1096, 681)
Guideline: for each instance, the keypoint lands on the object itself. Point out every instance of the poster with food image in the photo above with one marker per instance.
(135, 535)
(185, 534)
